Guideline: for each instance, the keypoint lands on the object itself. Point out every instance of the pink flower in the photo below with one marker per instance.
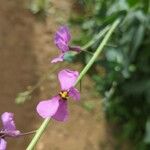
(56, 107)
(9, 129)
(62, 39)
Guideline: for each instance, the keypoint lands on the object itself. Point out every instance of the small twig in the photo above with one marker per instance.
(28, 133)
(82, 50)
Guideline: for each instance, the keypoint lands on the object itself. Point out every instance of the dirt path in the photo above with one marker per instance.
(26, 47)
(17, 64)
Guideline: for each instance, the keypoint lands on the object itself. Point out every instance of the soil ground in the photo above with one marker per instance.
(26, 47)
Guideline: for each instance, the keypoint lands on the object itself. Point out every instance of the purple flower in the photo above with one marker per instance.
(8, 130)
(62, 39)
(56, 107)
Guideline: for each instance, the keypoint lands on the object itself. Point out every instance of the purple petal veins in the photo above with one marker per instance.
(62, 38)
(64, 33)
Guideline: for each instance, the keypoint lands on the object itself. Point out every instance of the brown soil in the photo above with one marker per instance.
(26, 47)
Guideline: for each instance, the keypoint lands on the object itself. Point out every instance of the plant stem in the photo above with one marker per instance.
(95, 38)
(83, 72)
(28, 133)
(98, 51)
(38, 134)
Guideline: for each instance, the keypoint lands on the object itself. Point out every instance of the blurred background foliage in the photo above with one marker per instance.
(39, 7)
(122, 73)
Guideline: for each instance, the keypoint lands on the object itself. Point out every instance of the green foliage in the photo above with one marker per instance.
(88, 105)
(22, 97)
(39, 6)
(122, 74)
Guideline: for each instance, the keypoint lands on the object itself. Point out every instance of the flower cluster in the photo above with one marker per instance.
(56, 107)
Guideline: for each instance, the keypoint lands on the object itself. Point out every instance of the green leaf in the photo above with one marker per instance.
(137, 41)
(133, 2)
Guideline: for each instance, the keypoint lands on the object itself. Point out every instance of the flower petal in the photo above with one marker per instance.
(9, 127)
(64, 33)
(67, 78)
(74, 93)
(8, 121)
(62, 113)
(48, 108)
(62, 46)
(62, 38)
(3, 144)
(59, 58)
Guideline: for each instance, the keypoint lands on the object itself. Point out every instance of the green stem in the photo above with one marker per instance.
(83, 72)
(38, 134)
(95, 38)
(98, 51)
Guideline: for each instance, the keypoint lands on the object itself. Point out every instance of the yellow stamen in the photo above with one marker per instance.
(64, 95)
